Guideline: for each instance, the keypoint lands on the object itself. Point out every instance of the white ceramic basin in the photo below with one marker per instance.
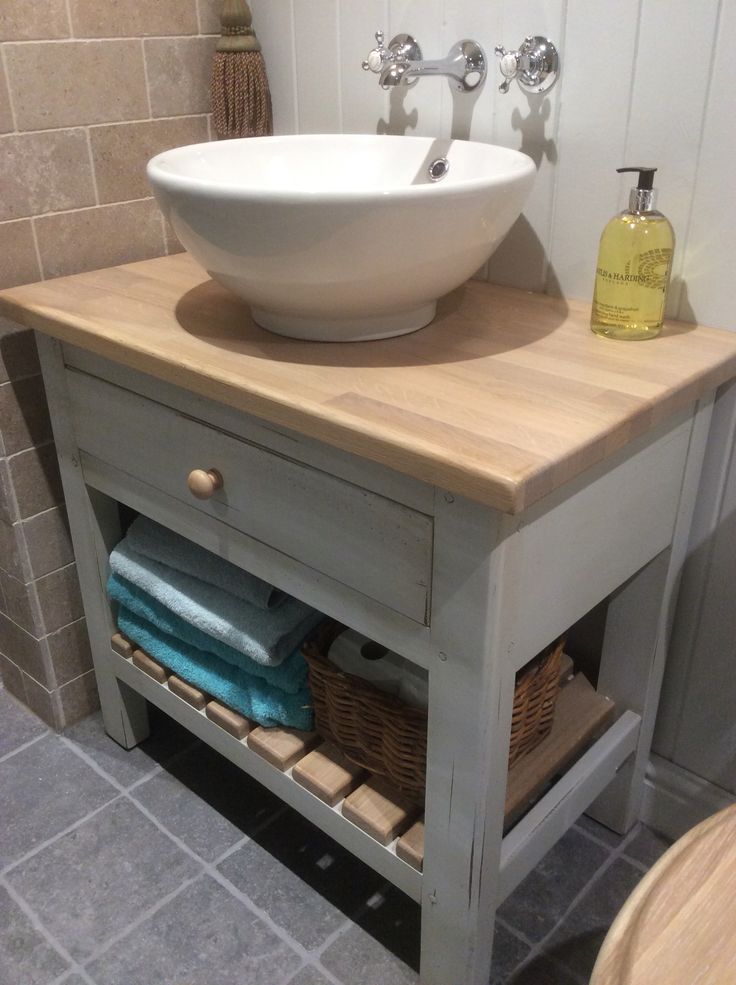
(341, 237)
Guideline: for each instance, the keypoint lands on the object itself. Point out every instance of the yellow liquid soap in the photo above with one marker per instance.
(632, 276)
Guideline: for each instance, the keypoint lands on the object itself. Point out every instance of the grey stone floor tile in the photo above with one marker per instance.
(304, 881)
(540, 971)
(127, 766)
(358, 959)
(204, 936)
(508, 953)
(647, 846)
(207, 802)
(577, 941)
(92, 882)
(309, 976)
(541, 900)
(394, 921)
(45, 788)
(19, 725)
(25, 957)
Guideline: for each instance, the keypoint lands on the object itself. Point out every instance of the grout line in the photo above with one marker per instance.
(538, 950)
(26, 745)
(70, 22)
(207, 867)
(295, 63)
(98, 126)
(11, 101)
(338, 64)
(142, 918)
(41, 929)
(92, 166)
(90, 208)
(10, 868)
(145, 79)
(21, 42)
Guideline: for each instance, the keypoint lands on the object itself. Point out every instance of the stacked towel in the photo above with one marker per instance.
(222, 629)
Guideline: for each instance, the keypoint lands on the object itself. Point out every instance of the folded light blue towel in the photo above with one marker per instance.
(249, 695)
(267, 636)
(160, 544)
(289, 676)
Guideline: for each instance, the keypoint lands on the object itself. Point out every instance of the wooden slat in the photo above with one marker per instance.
(328, 774)
(121, 645)
(561, 401)
(192, 695)
(282, 747)
(237, 725)
(151, 667)
(377, 808)
(410, 846)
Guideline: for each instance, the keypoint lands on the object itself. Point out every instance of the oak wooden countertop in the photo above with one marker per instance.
(503, 398)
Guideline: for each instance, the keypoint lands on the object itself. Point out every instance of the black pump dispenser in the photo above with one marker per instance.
(641, 198)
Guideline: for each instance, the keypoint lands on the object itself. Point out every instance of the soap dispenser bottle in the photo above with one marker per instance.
(633, 270)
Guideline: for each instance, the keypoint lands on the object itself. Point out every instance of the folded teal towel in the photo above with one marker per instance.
(249, 695)
(289, 676)
(267, 636)
(160, 544)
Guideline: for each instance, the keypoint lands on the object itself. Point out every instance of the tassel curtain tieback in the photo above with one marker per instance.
(241, 99)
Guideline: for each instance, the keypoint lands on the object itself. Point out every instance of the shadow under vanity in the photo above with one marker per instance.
(463, 495)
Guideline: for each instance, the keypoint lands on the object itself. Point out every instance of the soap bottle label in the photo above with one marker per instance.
(630, 284)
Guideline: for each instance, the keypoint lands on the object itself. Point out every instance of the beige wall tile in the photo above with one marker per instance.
(78, 698)
(24, 417)
(20, 606)
(10, 551)
(48, 542)
(18, 353)
(209, 16)
(71, 242)
(7, 504)
(43, 702)
(63, 84)
(24, 650)
(44, 172)
(6, 116)
(12, 678)
(70, 651)
(18, 261)
(24, 21)
(34, 476)
(120, 152)
(132, 18)
(179, 72)
(59, 598)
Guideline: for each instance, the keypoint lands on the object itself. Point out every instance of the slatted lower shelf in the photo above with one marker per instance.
(369, 802)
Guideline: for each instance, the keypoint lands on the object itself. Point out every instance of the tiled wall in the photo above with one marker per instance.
(89, 90)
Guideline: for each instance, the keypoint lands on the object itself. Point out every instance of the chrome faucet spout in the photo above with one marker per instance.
(402, 63)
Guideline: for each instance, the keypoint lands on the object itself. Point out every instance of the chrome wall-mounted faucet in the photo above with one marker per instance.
(535, 65)
(402, 63)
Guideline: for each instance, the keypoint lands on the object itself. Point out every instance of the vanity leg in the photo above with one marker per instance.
(637, 634)
(95, 529)
(471, 684)
(632, 662)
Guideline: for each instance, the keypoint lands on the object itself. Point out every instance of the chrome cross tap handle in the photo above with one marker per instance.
(378, 57)
(535, 65)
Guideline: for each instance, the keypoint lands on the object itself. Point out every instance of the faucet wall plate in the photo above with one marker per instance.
(535, 65)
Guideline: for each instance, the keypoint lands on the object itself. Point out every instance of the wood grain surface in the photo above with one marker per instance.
(677, 927)
(503, 398)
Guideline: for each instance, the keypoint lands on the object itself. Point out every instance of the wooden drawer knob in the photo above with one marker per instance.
(204, 483)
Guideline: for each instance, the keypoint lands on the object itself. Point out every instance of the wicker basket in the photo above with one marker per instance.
(389, 738)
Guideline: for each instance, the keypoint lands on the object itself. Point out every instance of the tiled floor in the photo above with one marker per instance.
(167, 866)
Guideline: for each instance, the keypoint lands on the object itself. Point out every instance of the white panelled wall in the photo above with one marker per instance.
(643, 82)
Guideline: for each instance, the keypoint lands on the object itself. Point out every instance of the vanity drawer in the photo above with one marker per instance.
(362, 539)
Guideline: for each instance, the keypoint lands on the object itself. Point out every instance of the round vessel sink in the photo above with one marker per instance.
(341, 237)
